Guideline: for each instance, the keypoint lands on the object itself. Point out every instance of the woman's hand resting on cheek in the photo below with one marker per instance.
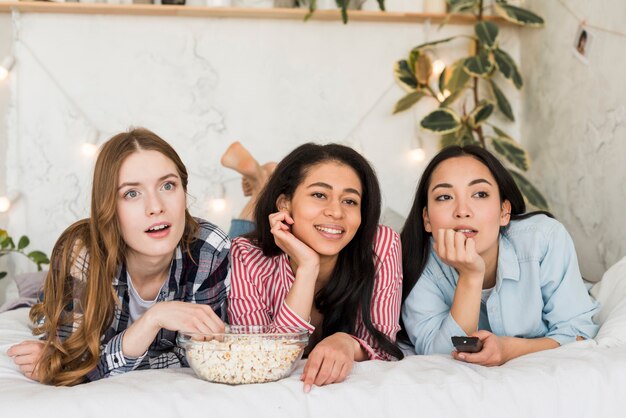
(302, 254)
(458, 251)
(27, 355)
(493, 353)
(330, 361)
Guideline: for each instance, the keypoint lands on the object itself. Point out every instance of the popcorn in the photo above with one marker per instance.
(238, 359)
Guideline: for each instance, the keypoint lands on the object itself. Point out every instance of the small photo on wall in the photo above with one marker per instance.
(582, 43)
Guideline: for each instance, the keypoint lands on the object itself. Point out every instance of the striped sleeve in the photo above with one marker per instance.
(249, 301)
(387, 294)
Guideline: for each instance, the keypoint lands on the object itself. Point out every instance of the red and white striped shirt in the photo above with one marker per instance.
(260, 284)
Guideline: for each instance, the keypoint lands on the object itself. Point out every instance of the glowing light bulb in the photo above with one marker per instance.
(5, 67)
(5, 204)
(438, 67)
(417, 154)
(218, 204)
(88, 149)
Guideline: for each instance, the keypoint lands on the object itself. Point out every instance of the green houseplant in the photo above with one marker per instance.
(342, 4)
(7, 246)
(468, 91)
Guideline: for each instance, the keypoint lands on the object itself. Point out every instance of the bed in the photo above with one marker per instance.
(585, 378)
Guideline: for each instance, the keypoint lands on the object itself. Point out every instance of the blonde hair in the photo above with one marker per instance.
(66, 363)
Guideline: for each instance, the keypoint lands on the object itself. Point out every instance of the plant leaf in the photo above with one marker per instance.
(423, 69)
(408, 101)
(8, 242)
(441, 83)
(3, 274)
(518, 15)
(441, 121)
(487, 33)
(501, 133)
(38, 257)
(480, 113)
(448, 140)
(450, 99)
(502, 101)
(404, 76)
(3, 234)
(440, 41)
(507, 67)
(343, 5)
(478, 65)
(23, 242)
(465, 136)
(531, 194)
(462, 137)
(458, 77)
(460, 6)
(512, 151)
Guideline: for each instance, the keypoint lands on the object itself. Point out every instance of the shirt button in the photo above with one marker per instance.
(115, 360)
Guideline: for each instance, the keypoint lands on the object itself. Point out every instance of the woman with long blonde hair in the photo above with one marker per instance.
(123, 282)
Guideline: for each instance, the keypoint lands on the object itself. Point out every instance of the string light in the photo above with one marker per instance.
(89, 148)
(417, 154)
(416, 147)
(7, 201)
(438, 67)
(5, 67)
(217, 201)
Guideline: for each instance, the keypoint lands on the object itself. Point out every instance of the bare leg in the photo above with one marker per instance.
(248, 210)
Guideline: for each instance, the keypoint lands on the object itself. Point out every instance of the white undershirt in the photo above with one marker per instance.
(485, 294)
(136, 305)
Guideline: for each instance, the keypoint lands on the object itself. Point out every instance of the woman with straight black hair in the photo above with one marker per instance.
(319, 260)
(476, 264)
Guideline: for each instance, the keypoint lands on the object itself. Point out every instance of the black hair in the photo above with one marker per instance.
(351, 284)
(415, 239)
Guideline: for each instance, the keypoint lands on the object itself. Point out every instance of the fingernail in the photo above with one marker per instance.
(462, 356)
(307, 388)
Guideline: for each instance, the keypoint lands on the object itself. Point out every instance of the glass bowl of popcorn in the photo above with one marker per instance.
(245, 353)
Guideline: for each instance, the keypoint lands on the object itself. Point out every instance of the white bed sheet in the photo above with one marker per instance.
(578, 380)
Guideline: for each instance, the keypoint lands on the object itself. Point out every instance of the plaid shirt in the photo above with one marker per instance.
(199, 279)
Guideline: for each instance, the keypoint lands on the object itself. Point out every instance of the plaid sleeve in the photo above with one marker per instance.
(113, 361)
(208, 281)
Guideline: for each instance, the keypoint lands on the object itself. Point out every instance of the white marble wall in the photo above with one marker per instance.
(5, 48)
(575, 125)
(201, 83)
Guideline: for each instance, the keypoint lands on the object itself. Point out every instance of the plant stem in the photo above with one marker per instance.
(479, 130)
(432, 93)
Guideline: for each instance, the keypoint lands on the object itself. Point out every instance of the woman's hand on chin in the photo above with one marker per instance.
(330, 361)
(458, 251)
(303, 255)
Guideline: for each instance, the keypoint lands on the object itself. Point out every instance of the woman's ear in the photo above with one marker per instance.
(427, 226)
(282, 203)
(505, 213)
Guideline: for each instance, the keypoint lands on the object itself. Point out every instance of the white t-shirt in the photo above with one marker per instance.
(136, 305)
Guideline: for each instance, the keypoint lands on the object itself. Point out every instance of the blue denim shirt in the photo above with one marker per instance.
(539, 291)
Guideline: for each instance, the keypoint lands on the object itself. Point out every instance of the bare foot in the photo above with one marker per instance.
(239, 159)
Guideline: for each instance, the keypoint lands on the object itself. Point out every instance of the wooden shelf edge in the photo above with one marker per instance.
(232, 12)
